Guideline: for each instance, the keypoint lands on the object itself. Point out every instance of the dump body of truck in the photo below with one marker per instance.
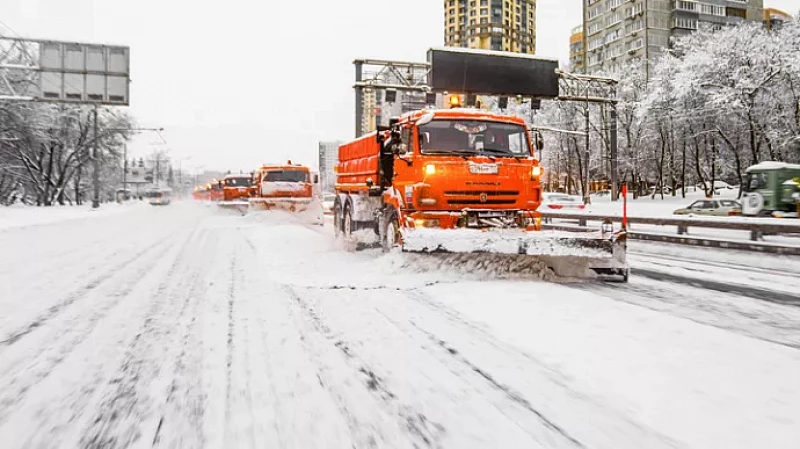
(460, 181)
(288, 187)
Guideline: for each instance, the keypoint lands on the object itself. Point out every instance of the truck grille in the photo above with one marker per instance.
(479, 202)
(473, 197)
(479, 192)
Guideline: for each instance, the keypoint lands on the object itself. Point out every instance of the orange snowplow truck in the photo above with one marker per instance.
(291, 188)
(236, 192)
(465, 181)
(442, 169)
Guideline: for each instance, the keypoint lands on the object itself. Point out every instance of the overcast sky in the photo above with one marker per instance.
(239, 82)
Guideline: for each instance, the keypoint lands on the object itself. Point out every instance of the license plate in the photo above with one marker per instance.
(483, 169)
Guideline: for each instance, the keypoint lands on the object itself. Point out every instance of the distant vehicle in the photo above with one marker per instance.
(562, 201)
(718, 186)
(716, 208)
(765, 190)
(327, 201)
(288, 187)
(159, 197)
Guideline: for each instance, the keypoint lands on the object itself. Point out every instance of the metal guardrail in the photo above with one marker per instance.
(757, 227)
(758, 247)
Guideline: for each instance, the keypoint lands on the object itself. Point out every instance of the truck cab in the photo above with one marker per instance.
(768, 192)
(237, 187)
(285, 181)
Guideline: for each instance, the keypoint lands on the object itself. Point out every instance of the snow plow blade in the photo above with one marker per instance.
(568, 255)
(303, 210)
(239, 206)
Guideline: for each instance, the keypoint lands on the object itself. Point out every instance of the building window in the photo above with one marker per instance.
(682, 22)
(684, 5)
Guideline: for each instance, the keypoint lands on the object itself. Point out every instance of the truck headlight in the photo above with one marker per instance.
(430, 169)
(536, 172)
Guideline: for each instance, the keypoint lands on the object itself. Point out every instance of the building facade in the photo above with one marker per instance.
(775, 18)
(501, 25)
(328, 158)
(576, 53)
(618, 31)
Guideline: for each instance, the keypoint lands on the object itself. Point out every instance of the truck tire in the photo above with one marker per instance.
(337, 219)
(347, 226)
(390, 232)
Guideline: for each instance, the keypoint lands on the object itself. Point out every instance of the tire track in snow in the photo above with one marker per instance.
(36, 367)
(235, 332)
(82, 292)
(773, 323)
(125, 416)
(598, 423)
(421, 429)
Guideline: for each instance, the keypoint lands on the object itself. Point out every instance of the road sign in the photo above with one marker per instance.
(70, 72)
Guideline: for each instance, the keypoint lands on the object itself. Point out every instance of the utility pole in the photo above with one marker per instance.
(124, 169)
(586, 155)
(614, 155)
(96, 164)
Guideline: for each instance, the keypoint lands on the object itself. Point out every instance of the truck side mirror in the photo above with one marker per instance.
(316, 179)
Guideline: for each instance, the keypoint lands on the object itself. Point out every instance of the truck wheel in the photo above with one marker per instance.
(391, 232)
(347, 228)
(337, 220)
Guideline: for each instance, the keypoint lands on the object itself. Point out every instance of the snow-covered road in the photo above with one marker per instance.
(183, 327)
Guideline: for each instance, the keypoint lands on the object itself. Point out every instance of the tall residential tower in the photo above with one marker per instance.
(503, 25)
(618, 31)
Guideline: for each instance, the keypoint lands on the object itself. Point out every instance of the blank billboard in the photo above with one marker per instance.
(84, 73)
(483, 72)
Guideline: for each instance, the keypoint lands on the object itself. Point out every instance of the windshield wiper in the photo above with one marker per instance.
(501, 152)
(462, 153)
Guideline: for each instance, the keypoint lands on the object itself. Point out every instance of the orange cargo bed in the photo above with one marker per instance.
(358, 161)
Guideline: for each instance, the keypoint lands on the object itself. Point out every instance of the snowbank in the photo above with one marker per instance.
(21, 216)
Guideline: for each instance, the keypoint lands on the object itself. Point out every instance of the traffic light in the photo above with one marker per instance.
(536, 104)
(391, 96)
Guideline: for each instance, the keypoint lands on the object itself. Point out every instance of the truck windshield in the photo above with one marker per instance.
(755, 181)
(237, 182)
(285, 176)
(474, 137)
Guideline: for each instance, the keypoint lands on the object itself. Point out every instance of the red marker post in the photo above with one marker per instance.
(625, 207)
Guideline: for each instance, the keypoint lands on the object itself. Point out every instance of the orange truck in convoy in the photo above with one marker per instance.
(462, 181)
(236, 191)
(289, 187)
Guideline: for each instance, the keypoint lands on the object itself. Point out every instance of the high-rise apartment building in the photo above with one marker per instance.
(618, 31)
(503, 25)
(576, 52)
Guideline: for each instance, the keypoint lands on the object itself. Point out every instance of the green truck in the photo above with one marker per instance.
(771, 189)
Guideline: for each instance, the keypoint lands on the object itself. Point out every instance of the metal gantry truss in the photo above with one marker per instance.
(373, 75)
(19, 66)
(586, 88)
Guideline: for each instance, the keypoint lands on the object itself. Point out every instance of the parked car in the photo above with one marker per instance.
(327, 202)
(717, 208)
(562, 201)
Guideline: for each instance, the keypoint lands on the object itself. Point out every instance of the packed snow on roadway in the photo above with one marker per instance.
(182, 326)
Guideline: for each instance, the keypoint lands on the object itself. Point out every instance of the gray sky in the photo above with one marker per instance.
(238, 82)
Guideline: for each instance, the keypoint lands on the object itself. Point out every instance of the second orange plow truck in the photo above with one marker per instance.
(289, 188)
(463, 184)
